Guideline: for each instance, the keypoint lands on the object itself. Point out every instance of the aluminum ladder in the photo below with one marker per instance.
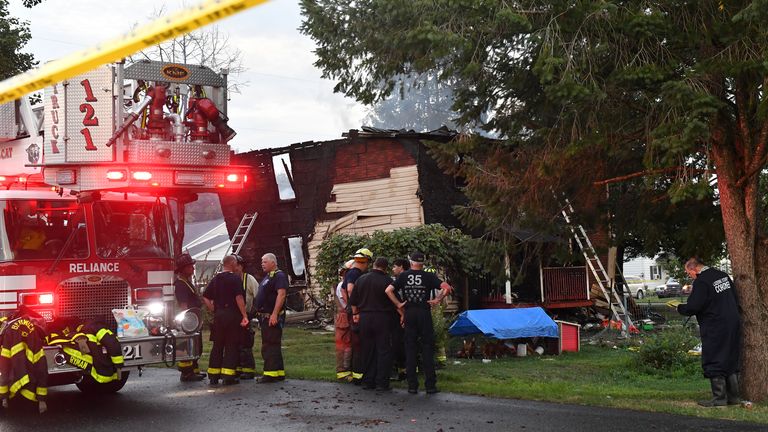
(615, 302)
(241, 234)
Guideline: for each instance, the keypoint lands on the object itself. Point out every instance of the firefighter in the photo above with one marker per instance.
(224, 296)
(270, 310)
(713, 301)
(187, 298)
(247, 365)
(342, 330)
(369, 302)
(398, 334)
(414, 286)
(362, 258)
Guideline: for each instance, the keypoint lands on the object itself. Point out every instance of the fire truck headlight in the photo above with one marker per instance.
(189, 321)
(155, 308)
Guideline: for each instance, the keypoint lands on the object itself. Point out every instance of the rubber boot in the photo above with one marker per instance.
(719, 397)
(732, 389)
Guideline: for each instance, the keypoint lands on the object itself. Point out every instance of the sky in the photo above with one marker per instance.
(285, 100)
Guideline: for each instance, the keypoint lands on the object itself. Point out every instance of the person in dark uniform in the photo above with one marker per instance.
(224, 296)
(369, 300)
(246, 368)
(269, 305)
(187, 298)
(398, 333)
(714, 302)
(362, 258)
(415, 286)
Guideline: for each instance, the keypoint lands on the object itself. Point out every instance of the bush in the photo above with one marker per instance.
(447, 250)
(667, 352)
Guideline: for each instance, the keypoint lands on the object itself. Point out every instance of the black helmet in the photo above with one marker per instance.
(184, 260)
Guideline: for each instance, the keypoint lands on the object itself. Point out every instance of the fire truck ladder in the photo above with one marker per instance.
(615, 301)
(241, 234)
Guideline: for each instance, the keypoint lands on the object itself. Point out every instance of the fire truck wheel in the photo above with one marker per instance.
(90, 386)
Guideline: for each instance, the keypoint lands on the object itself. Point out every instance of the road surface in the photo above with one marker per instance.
(158, 402)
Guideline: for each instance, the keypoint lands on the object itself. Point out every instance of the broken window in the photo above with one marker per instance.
(283, 177)
(296, 251)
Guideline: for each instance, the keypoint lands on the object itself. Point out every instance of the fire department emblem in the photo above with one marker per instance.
(33, 153)
(175, 72)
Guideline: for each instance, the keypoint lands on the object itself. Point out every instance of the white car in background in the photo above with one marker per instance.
(637, 288)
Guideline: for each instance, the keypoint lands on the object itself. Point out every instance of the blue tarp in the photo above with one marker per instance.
(505, 323)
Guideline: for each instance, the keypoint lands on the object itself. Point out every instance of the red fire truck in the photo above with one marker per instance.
(93, 195)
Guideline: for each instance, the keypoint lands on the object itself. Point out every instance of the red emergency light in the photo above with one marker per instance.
(233, 178)
(37, 299)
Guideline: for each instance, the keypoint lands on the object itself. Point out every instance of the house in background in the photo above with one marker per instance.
(645, 268)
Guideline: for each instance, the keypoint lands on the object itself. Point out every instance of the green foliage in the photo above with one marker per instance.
(667, 352)
(450, 250)
(14, 34)
(631, 96)
(440, 325)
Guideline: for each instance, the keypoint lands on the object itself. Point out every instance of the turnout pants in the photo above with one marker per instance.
(397, 338)
(357, 355)
(271, 338)
(418, 328)
(375, 348)
(226, 336)
(247, 365)
(343, 346)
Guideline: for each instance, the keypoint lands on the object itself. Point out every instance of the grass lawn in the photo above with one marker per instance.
(599, 376)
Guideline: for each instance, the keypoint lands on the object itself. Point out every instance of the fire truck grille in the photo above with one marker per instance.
(87, 301)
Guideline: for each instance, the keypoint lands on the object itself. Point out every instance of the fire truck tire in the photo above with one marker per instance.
(90, 386)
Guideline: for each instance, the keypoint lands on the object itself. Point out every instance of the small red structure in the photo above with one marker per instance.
(569, 336)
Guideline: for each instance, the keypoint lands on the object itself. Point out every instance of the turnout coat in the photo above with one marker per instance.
(23, 369)
(713, 301)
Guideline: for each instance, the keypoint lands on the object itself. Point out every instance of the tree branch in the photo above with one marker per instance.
(646, 173)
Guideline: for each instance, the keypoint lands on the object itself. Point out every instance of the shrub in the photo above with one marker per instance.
(667, 352)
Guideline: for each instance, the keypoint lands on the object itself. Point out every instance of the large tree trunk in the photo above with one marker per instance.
(749, 258)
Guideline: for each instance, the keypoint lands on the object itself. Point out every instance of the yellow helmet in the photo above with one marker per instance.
(363, 253)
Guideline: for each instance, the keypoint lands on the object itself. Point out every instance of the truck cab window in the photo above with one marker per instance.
(129, 229)
(39, 229)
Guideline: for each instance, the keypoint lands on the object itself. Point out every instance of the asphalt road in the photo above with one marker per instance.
(158, 402)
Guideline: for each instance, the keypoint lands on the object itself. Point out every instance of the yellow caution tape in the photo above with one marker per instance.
(162, 29)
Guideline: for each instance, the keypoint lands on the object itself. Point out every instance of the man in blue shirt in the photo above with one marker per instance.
(224, 296)
(269, 307)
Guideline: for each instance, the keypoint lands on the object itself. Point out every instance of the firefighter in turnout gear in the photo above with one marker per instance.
(341, 329)
(415, 286)
(23, 368)
(362, 259)
(224, 296)
(246, 368)
(187, 298)
(269, 306)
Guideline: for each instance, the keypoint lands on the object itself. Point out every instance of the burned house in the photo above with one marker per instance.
(366, 181)
(369, 180)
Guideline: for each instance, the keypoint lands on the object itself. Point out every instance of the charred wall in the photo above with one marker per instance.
(316, 168)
